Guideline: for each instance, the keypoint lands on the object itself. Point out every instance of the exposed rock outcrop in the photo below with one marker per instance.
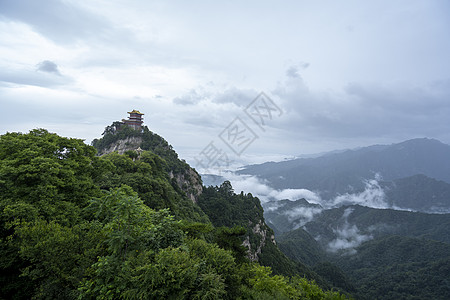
(260, 231)
(189, 182)
(122, 146)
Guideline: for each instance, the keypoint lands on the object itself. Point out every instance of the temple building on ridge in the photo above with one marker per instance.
(134, 120)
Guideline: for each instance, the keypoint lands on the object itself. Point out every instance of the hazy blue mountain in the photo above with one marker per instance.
(418, 192)
(345, 172)
(211, 179)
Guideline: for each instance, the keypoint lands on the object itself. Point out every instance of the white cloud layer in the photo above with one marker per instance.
(372, 196)
(348, 237)
(302, 215)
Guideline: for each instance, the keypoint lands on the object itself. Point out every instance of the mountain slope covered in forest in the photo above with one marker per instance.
(387, 254)
(76, 225)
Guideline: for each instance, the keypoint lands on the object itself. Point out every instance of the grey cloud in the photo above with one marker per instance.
(47, 77)
(205, 120)
(48, 66)
(304, 65)
(365, 111)
(294, 71)
(60, 21)
(239, 97)
(413, 100)
(209, 109)
(190, 98)
(112, 44)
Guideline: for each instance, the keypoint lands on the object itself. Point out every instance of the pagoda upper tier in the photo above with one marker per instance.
(134, 120)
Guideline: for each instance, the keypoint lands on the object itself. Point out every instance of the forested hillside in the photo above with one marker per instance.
(225, 208)
(383, 253)
(399, 267)
(125, 140)
(74, 225)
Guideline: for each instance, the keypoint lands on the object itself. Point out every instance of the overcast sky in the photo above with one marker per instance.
(342, 73)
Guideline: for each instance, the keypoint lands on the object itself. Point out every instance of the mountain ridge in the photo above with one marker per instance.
(347, 172)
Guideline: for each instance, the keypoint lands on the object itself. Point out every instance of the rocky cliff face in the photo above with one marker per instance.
(121, 146)
(189, 181)
(261, 236)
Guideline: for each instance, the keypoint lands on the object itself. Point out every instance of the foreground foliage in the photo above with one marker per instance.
(76, 226)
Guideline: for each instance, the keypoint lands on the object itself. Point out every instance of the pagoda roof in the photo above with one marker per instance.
(135, 112)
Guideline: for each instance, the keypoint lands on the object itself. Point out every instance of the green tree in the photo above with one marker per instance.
(59, 255)
(55, 175)
(231, 239)
(133, 233)
(42, 177)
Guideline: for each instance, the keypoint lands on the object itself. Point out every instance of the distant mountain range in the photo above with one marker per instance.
(380, 222)
(419, 193)
(377, 223)
(414, 174)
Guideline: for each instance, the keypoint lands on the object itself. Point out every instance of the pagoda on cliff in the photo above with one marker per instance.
(134, 120)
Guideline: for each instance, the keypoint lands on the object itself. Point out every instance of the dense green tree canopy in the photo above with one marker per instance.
(77, 226)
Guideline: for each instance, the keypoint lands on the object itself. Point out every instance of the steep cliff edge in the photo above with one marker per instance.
(226, 208)
(263, 235)
(121, 146)
(126, 140)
